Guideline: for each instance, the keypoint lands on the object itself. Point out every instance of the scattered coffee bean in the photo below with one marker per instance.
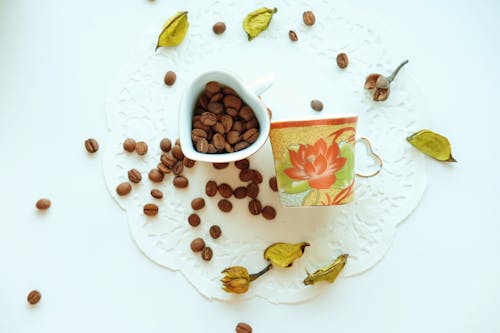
(141, 148)
(170, 78)
(178, 168)
(273, 184)
(197, 244)
(188, 163)
(242, 164)
(123, 189)
(150, 209)
(220, 166)
(252, 190)
(316, 105)
(181, 182)
(194, 220)
(129, 145)
(134, 176)
(257, 177)
(225, 190)
(43, 204)
(206, 254)
(243, 328)
(166, 145)
(293, 36)
(342, 60)
(240, 192)
(225, 205)
(157, 194)
(211, 188)
(168, 160)
(309, 18)
(155, 175)
(163, 168)
(268, 212)
(246, 175)
(177, 153)
(34, 297)
(198, 203)
(215, 231)
(219, 28)
(254, 207)
(91, 145)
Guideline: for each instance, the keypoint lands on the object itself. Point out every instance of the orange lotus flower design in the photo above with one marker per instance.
(316, 163)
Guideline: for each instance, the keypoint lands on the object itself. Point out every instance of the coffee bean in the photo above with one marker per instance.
(216, 108)
(233, 137)
(155, 175)
(273, 184)
(203, 101)
(198, 124)
(123, 189)
(178, 142)
(211, 188)
(170, 78)
(134, 176)
(188, 163)
(293, 36)
(202, 146)
(166, 145)
(252, 123)
(208, 118)
(238, 126)
(342, 60)
(177, 153)
(243, 328)
(215, 231)
(225, 205)
(155, 193)
(206, 254)
(194, 220)
(181, 182)
(178, 168)
(232, 112)
(211, 149)
(219, 142)
(316, 105)
(198, 203)
(168, 160)
(240, 192)
(227, 122)
(217, 98)
(228, 91)
(91, 145)
(212, 88)
(197, 244)
(141, 148)
(257, 177)
(163, 168)
(43, 204)
(225, 190)
(34, 297)
(233, 102)
(251, 135)
(219, 28)
(129, 145)
(150, 209)
(246, 175)
(220, 166)
(241, 145)
(228, 148)
(219, 128)
(242, 164)
(253, 190)
(309, 18)
(246, 113)
(268, 212)
(254, 207)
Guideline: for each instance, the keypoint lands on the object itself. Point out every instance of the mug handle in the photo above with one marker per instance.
(260, 85)
(377, 158)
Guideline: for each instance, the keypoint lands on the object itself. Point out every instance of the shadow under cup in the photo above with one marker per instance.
(314, 160)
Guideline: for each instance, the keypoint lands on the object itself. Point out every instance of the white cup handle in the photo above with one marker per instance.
(377, 158)
(260, 85)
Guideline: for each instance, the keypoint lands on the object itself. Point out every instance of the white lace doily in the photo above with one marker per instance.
(142, 107)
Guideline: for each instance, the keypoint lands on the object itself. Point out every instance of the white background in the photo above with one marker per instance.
(57, 61)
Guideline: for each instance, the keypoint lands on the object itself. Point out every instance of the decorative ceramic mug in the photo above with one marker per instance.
(314, 160)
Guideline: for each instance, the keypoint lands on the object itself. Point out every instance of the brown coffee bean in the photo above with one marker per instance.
(293, 36)
(168, 160)
(252, 123)
(218, 141)
(240, 192)
(219, 28)
(123, 189)
(243, 328)
(225, 205)
(228, 148)
(211, 188)
(216, 108)
(91, 145)
(188, 163)
(129, 145)
(178, 142)
(232, 112)
(238, 126)
(241, 145)
(208, 118)
(134, 176)
(253, 190)
(251, 135)
(316, 105)
(211, 149)
(257, 177)
(225, 190)
(165, 145)
(197, 244)
(242, 164)
(34, 297)
(254, 207)
(163, 168)
(150, 209)
(246, 175)
(141, 148)
(342, 60)
(219, 128)
(233, 102)
(273, 184)
(194, 220)
(155, 193)
(228, 91)
(181, 182)
(217, 98)
(155, 175)
(233, 137)
(268, 212)
(220, 166)
(246, 113)
(177, 153)
(198, 203)
(227, 122)
(198, 134)
(215, 231)
(203, 101)
(198, 124)
(178, 168)
(309, 18)
(206, 254)
(43, 204)
(170, 78)
(212, 88)
(202, 146)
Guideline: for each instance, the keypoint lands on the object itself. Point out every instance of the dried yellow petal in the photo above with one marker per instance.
(328, 273)
(258, 21)
(174, 30)
(432, 144)
(283, 254)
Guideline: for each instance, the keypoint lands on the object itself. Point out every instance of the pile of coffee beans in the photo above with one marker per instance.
(222, 123)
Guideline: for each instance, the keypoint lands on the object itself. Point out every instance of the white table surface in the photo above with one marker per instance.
(57, 61)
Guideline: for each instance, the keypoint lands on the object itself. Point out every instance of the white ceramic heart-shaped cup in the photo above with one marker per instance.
(247, 92)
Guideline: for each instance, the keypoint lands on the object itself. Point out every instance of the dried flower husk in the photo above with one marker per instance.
(284, 254)
(237, 280)
(381, 94)
(328, 273)
(382, 84)
(258, 21)
(174, 30)
(433, 144)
